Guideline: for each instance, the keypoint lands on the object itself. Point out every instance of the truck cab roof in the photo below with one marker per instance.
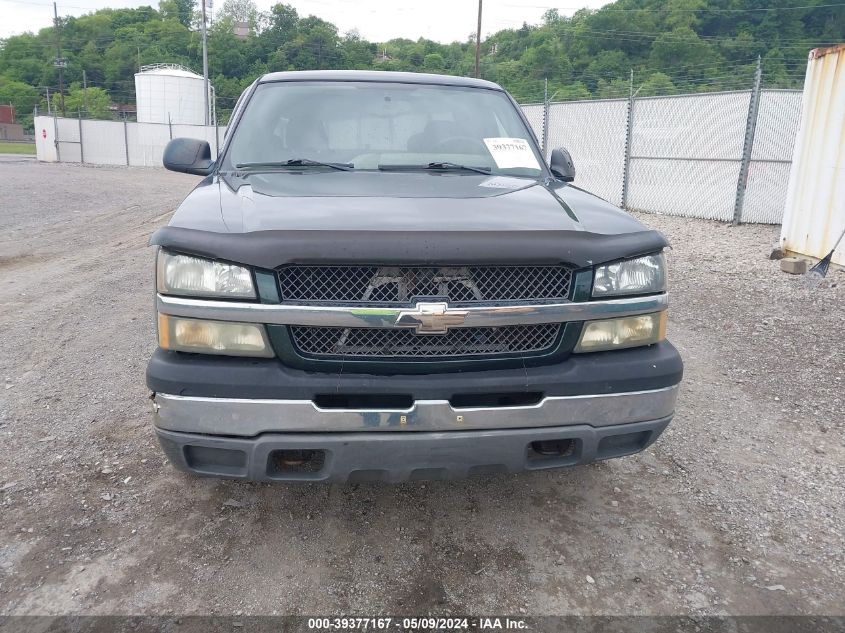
(379, 76)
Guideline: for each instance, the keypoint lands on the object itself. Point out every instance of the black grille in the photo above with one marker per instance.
(395, 285)
(401, 343)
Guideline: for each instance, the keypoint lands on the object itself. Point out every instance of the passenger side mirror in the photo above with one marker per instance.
(561, 165)
(188, 156)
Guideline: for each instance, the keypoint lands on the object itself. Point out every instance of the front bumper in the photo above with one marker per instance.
(396, 457)
(232, 417)
(248, 418)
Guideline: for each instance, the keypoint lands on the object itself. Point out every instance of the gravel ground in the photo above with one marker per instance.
(737, 509)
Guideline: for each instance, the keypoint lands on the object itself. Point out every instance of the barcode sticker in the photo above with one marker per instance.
(511, 152)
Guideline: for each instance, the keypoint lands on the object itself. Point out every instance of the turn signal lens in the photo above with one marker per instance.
(212, 337)
(634, 331)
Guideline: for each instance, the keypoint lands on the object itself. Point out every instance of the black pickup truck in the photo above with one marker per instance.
(380, 278)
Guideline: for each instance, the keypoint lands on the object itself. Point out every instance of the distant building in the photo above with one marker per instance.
(123, 110)
(7, 113)
(241, 30)
(9, 130)
(383, 56)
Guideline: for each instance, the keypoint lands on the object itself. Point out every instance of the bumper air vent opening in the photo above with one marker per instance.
(378, 402)
(216, 461)
(623, 444)
(492, 400)
(552, 453)
(288, 462)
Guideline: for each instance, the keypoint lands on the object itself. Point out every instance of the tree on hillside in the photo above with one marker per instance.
(92, 103)
(678, 46)
(22, 96)
(241, 11)
(181, 10)
(657, 84)
(683, 50)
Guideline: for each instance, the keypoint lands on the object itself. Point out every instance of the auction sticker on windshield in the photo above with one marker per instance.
(511, 152)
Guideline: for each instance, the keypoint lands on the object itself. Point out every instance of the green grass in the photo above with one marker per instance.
(17, 148)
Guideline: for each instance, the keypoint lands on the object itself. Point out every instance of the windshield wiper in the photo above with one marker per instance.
(437, 166)
(294, 162)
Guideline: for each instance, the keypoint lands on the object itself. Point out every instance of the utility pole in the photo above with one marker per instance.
(85, 92)
(59, 63)
(478, 41)
(205, 60)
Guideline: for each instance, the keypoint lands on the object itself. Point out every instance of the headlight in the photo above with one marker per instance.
(634, 331)
(212, 337)
(197, 277)
(631, 276)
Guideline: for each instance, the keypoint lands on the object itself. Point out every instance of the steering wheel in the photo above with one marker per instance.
(460, 145)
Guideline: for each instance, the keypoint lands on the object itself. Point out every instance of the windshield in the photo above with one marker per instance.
(373, 125)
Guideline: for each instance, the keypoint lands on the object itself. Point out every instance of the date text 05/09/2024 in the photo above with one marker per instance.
(416, 624)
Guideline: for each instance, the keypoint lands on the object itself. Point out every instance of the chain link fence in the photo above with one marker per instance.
(686, 151)
(594, 133)
(771, 156)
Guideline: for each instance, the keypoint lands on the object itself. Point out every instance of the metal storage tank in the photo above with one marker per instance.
(170, 93)
(814, 216)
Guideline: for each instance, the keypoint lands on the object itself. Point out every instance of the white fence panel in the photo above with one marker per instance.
(594, 134)
(771, 156)
(201, 132)
(686, 153)
(112, 142)
(146, 143)
(695, 189)
(103, 142)
(69, 145)
(45, 138)
(534, 113)
(705, 126)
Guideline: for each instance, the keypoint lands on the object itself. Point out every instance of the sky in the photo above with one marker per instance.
(375, 20)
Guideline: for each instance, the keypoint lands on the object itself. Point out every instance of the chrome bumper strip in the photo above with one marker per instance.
(242, 417)
(348, 316)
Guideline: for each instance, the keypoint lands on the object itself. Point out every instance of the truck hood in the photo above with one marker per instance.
(270, 219)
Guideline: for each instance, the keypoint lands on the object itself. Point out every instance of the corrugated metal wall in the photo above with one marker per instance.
(815, 200)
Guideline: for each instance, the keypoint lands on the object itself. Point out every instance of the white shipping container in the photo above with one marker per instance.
(814, 215)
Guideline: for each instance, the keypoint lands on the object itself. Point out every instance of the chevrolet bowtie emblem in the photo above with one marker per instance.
(431, 318)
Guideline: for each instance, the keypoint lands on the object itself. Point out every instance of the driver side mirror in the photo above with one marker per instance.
(561, 165)
(188, 156)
